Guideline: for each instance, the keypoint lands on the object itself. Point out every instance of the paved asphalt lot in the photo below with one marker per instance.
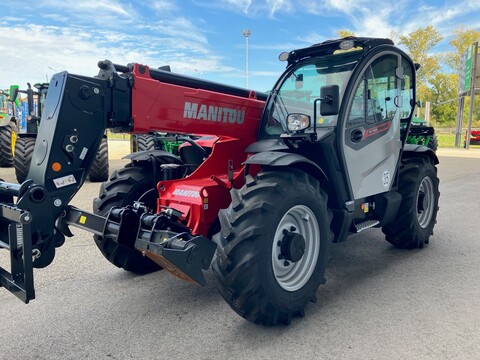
(378, 303)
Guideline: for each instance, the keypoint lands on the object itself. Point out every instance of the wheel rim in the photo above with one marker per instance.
(295, 275)
(425, 202)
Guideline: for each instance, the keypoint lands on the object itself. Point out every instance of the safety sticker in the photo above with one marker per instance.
(83, 153)
(64, 181)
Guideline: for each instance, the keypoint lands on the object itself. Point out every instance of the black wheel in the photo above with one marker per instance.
(143, 142)
(99, 170)
(433, 142)
(6, 155)
(23, 157)
(418, 184)
(126, 186)
(273, 246)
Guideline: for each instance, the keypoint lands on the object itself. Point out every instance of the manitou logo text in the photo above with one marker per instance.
(213, 113)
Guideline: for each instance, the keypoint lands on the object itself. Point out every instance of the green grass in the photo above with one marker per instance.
(448, 140)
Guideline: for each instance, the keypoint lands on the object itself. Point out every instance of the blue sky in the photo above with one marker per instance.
(199, 38)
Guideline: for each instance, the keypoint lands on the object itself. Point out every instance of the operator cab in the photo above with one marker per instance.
(318, 81)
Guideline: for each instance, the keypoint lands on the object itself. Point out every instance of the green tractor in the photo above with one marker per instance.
(422, 134)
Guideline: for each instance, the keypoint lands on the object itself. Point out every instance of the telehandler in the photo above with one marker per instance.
(279, 179)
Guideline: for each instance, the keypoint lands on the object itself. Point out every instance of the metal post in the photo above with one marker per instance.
(472, 92)
(458, 130)
(246, 34)
(427, 112)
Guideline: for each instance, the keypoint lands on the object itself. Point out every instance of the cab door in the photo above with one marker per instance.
(371, 129)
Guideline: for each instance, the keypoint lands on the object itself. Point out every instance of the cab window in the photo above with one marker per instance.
(375, 97)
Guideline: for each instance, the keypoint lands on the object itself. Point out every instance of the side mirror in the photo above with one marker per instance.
(13, 92)
(329, 100)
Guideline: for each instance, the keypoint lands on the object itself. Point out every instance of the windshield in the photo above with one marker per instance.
(300, 88)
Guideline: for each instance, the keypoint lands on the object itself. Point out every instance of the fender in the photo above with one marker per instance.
(410, 149)
(281, 159)
(156, 154)
(5, 121)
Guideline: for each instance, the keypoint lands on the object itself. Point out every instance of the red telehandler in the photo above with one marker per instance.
(260, 196)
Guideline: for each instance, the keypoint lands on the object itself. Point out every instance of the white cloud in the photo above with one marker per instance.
(161, 5)
(239, 5)
(39, 49)
(274, 6)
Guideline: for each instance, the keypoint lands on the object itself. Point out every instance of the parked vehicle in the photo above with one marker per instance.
(474, 138)
(280, 178)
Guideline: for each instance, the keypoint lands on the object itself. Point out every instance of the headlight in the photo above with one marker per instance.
(284, 56)
(298, 122)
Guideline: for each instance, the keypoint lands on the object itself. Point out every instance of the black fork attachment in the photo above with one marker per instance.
(35, 215)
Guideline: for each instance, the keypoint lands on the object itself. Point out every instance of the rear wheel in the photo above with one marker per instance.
(273, 246)
(6, 155)
(23, 157)
(125, 187)
(433, 142)
(418, 184)
(143, 142)
(99, 170)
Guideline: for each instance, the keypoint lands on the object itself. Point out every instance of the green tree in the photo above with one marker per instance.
(443, 94)
(462, 39)
(419, 44)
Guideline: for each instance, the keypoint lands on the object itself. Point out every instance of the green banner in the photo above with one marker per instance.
(468, 69)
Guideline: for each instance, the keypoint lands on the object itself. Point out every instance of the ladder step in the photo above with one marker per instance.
(366, 225)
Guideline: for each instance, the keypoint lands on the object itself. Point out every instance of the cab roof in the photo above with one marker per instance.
(329, 47)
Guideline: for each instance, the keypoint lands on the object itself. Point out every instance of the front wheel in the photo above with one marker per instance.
(417, 215)
(24, 147)
(273, 246)
(99, 170)
(126, 186)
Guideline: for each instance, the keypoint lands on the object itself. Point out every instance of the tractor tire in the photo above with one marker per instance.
(417, 215)
(433, 142)
(144, 142)
(23, 157)
(126, 186)
(99, 170)
(273, 246)
(6, 154)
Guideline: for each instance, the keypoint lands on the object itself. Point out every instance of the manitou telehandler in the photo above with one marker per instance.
(323, 157)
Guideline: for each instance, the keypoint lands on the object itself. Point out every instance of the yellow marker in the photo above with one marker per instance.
(83, 219)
